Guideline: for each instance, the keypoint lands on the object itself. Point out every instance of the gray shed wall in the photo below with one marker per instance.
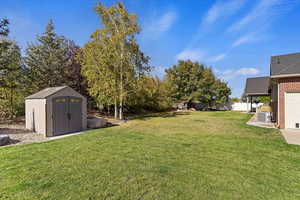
(35, 115)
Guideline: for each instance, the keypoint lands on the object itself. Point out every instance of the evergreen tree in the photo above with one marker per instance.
(4, 30)
(72, 71)
(46, 60)
(10, 73)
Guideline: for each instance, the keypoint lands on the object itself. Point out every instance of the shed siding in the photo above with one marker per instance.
(35, 109)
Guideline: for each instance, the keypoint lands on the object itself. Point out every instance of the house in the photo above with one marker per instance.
(283, 86)
(56, 111)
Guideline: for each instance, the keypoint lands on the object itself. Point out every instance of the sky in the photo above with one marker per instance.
(234, 37)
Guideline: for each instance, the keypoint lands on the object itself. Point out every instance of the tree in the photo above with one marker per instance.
(235, 100)
(205, 92)
(112, 60)
(151, 95)
(46, 60)
(183, 79)
(222, 92)
(191, 81)
(4, 30)
(72, 71)
(264, 99)
(10, 73)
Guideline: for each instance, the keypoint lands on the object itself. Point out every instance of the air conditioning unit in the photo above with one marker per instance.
(264, 116)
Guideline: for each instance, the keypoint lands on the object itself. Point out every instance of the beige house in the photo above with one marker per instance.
(56, 111)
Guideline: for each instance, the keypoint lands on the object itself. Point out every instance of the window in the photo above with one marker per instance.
(73, 100)
(60, 100)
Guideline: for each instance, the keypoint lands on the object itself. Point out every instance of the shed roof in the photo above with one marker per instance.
(285, 64)
(46, 92)
(257, 86)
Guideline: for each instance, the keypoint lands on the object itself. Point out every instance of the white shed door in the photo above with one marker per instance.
(292, 110)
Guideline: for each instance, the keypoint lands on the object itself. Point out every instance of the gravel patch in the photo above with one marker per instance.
(19, 135)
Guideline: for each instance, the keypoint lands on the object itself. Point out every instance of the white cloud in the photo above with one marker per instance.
(217, 58)
(191, 54)
(247, 71)
(221, 9)
(263, 13)
(245, 39)
(199, 55)
(159, 25)
(244, 71)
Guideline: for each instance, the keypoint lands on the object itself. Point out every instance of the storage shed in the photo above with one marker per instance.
(56, 111)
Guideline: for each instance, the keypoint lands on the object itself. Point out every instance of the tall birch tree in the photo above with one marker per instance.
(112, 60)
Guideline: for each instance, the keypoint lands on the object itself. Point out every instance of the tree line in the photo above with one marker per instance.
(110, 69)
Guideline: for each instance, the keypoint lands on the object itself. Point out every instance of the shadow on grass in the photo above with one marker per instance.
(162, 115)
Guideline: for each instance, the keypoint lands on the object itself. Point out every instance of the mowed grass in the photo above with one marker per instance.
(199, 155)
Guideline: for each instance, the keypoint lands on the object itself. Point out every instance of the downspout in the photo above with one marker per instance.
(278, 107)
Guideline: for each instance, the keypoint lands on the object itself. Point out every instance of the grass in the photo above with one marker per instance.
(199, 155)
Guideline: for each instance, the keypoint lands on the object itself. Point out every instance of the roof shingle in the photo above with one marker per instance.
(257, 86)
(285, 64)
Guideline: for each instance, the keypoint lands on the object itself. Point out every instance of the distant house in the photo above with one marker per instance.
(283, 85)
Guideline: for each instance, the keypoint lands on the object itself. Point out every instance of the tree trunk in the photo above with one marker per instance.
(121, 98)
(116, 108)
(121, 110)
(108, 110)
(11, 104)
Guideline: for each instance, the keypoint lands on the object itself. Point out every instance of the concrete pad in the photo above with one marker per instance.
(66, 135)
(291, 136)
(253, 122)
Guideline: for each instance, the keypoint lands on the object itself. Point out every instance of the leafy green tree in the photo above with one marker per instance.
(183, 79)
(222, 92)
(151, 95)
(205, 91)
(46, 60)
(112, 60)
(235, 99)
(194, 82)
(10, 73)
(264, 99)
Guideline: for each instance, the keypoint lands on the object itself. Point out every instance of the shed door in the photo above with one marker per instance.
(60, 116)
(292, 110)
(75, 114)
(67, 115)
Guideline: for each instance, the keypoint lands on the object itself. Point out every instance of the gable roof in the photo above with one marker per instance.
(46, 92)
(257, 86)
(288, 64)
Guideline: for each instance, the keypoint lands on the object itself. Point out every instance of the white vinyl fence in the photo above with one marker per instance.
(244, 106)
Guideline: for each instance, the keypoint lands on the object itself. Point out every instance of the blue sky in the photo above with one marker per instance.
(235, 37)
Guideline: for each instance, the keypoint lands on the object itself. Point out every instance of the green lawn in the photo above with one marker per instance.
(200, 155)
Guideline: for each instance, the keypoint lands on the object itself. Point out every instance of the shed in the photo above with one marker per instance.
(56, 111)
